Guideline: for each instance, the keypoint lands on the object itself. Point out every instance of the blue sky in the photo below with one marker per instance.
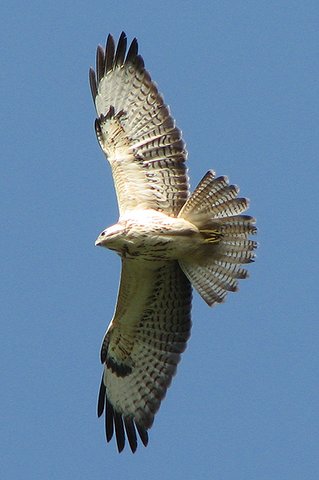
(241, 78)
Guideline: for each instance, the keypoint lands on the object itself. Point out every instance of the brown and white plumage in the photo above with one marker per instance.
(136, 132)
(168, 240)
(141, 349)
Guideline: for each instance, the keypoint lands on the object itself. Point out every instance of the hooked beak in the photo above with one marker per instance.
(98, 242)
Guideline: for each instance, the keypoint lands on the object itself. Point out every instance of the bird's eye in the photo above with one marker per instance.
(102, 234)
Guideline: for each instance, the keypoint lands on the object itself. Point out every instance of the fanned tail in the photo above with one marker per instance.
(217, 212)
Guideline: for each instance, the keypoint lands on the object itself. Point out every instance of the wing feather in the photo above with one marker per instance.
(142, 346)
(136, 132)
(107, 60)
(130, 432)
(119, 430)
(120, 51)
(109, 416)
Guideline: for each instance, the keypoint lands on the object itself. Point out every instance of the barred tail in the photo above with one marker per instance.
(217, 212)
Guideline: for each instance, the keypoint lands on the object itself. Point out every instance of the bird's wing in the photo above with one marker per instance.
(136, 132)
(142, 346)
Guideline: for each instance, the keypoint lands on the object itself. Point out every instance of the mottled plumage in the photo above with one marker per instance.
(168, 240)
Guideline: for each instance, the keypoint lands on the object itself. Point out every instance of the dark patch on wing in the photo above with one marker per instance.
(110, 114)
(120, 369)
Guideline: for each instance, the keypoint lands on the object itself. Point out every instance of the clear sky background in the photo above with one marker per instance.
(241, 78)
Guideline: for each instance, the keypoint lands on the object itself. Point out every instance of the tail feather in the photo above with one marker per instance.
(232, 269)
(208, 186)
(236, 256)
(200, 277)
(214, 196)
(238, 225)
(216, 211)
(230, 207)
(210, 282)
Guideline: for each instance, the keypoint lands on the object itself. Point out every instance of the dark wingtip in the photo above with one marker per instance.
(101, 399)
(119, 431)
(115, 421)
(109, 58)
(100, 63)
(109, 416)
(130, 433)
(93, 85)
(109, 53)
(132, 51)
(120, 50)
(143, 434)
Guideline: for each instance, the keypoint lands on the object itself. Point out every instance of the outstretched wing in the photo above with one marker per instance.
(142, 346)
(137, 133)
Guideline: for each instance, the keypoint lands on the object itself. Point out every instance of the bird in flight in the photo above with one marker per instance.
(169, 241)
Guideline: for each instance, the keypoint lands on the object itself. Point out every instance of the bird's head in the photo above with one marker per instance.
(111, 237)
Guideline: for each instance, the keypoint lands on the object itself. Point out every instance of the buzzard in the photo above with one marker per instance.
(168, 239)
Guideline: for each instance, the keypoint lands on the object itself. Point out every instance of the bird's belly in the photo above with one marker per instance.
(162, 244)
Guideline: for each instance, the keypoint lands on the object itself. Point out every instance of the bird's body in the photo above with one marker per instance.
(151, 235)
(168, 239)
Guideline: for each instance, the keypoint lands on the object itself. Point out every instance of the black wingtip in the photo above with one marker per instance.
(109, 416)
(132, 51)
(130, 433)
(119, 431)
(100, 63)
(93, 85)
(109, 53)
(101, 399)
(143, 434)
(123, 426)
(120, 50)
(109, 58)
(115, 422)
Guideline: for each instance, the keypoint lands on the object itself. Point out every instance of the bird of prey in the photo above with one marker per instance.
(168, 239)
